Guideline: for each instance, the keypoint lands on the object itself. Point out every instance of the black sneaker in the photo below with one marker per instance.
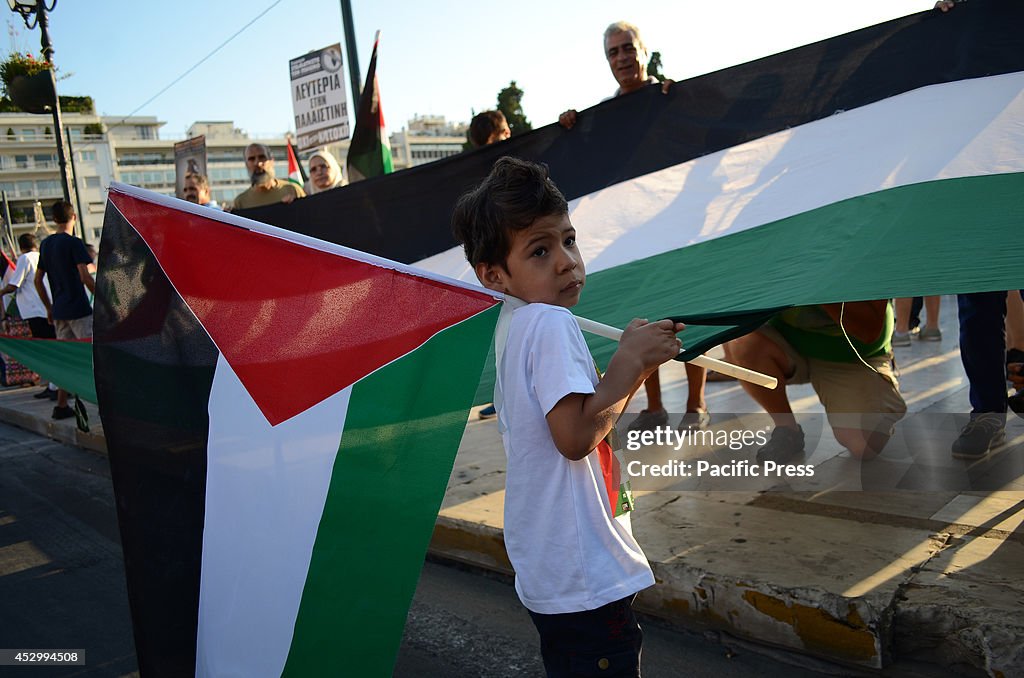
(45, 393)
(62, 412)
(786, 443)
(983, 432)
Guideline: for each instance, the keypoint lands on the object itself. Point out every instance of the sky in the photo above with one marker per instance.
(445, 58)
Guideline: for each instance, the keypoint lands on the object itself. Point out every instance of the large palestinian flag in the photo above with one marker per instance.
(884, 162)
(282, 417)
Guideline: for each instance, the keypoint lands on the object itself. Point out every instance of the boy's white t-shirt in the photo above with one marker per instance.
(568, 552)
(29, 303)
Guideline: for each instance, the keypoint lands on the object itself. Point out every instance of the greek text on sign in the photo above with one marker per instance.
(319, 98)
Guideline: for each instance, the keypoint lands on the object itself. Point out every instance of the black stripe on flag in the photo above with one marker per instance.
(405, 216)
(154, 367)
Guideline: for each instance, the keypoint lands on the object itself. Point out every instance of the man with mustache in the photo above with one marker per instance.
(266, 189)
(197, 190)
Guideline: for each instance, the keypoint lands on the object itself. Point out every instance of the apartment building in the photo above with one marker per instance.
(427, 138)
(103, 149)
(132, 150)
(30, 174)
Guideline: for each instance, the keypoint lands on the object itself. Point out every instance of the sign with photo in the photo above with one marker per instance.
(319, 98)
(189, 158)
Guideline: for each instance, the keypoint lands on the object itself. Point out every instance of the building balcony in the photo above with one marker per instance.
(158, 187)
(35, 193)
(155, 164)
(48, 140)
(28, 166)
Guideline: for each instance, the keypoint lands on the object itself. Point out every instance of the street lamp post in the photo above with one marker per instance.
(37, 9)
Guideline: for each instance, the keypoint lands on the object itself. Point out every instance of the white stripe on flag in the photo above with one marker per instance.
(947, 131)
(265, 492)
(959, 129)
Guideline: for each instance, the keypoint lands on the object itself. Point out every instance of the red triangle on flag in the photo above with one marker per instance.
(295, 323)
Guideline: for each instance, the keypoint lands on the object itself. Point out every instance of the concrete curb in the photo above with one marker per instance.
(788, 580)
(470, 543)
(64, 431)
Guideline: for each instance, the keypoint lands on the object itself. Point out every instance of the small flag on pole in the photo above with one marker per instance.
(369, 155)
(295, 173)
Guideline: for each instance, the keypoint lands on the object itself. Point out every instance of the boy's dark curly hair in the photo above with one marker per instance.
(514, 195)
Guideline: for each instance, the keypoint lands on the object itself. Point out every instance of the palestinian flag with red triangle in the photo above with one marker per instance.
(280, 440)
(295, 173)
(369, 153)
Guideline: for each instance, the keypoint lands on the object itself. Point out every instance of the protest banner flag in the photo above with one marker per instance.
(369, 153)
(818, 175)
(279, 444)
(66, 363)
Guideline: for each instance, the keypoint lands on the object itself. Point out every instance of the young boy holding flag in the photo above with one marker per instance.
(567, 528)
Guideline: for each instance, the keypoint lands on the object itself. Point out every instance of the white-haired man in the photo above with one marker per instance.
(627, 58)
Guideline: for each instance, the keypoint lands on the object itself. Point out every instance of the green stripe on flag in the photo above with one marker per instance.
(851, 250)
(373, 162)
(66, 363)
(402, 431)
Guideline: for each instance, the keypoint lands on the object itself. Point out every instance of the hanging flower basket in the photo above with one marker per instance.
(28, 82)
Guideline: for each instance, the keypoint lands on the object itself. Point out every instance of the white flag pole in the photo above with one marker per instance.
(719, 366)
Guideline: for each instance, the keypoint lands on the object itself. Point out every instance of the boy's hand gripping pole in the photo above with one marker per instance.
(719, 366)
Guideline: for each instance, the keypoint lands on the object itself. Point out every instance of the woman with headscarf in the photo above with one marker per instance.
(324, 173)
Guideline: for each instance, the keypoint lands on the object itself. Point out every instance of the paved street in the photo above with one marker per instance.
(61, 573)
(466, 624)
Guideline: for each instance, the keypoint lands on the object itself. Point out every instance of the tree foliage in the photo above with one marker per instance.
(654, 66)
(510, 104)
(74, 104)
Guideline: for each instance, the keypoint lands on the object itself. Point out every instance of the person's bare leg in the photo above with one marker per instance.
(696, 377)
(757, 352)
(1014, 320)
(931, 309)
(654, 415)
(653, 389)
(62, 398)
(903, 314)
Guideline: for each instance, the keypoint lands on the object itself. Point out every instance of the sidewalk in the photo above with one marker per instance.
(865, 578)
(19, 408)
